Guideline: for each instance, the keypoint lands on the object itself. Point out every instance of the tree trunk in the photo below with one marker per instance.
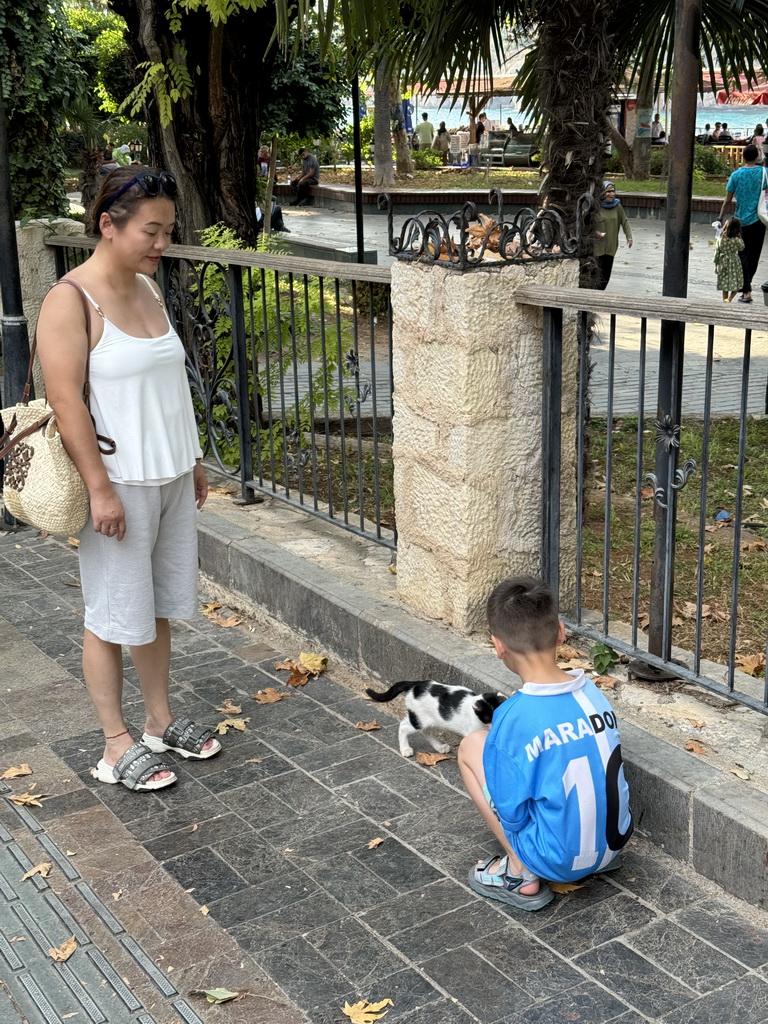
(90, 179)
(212, 141)
(270, 187)
(573, 37)
(402, 149)
(383, 172)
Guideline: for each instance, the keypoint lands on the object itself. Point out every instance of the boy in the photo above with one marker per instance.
(548, 778)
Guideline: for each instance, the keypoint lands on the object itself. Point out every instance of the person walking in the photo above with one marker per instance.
(728, 248)
(425, 132)
(442, 141)
(758, 141)
(138, 550)
(610, 217)
(746, 186)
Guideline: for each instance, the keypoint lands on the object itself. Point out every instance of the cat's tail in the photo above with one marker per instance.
(394, 691)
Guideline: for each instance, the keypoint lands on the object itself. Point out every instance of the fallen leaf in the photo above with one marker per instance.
(73, 542)
(284, 666)
(190, 890)
(193, 828)
(299, 677)
(232, 620)
(566, 652)
(643, 620)
(64, 951)
(751, 663)
(606, 682)
(432, 759)
(375, 842)
(215, 995)
(564, 886)
(210, 608)
(231, 723)
(584, 663)
(66, 1016)
(43, 870)
(676, 620)
(646, 492)
(316, 663)
(16, 771)
(387, 824)
(29, 799)
(117, 895)
(696, 723)
(757, 545)
(229, 707)
(392, 569)
(365, 1012)
(695, 747)
(368, 726)
(19, 938)
(204, 911)
(708, 549)
(268, 696)
(740, 772)
(72, 583)
(253, 760)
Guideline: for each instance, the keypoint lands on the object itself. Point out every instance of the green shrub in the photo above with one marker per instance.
(708, 161)
(427, 159)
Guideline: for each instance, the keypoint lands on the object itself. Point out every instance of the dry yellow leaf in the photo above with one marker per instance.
(315, 663)
(564, 886)
(365, 1012)
(253, 760)
(300, 676)
(565, 652)
(204, 911)
(284, 666)
(229, 707)
(694, 747)
(43, 870)
(268, 696)
(751, 663)
(16, 771)
(66, 1016)
(740, 772)
(375, 842)
(73, 542)
(368, 726)
(29, 799)
(643, 620)
(606, 682)
(432, 759)
(64, 951)
(210, 608)
(231, 723)
(117, 895)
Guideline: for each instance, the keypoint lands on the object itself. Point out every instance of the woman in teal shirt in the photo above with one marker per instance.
(746, 185)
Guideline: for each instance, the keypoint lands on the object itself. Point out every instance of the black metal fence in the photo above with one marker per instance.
(290, 365)
(671, 511)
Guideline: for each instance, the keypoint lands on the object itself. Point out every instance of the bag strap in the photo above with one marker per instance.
(106, 445)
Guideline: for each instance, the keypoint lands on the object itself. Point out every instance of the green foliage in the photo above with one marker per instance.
(102, 52)
(426, 159)
(708, 161)
(284, 331)
(167, 81)
(39, 80)
(603, 658)
(305, 97)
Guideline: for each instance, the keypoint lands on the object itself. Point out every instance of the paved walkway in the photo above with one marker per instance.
(271, 838)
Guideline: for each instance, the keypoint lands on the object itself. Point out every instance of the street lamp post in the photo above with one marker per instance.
(13, 323)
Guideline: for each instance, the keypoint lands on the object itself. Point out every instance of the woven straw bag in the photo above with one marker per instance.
(42, 486)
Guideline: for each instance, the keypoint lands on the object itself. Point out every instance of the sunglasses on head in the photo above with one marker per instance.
(152, 184)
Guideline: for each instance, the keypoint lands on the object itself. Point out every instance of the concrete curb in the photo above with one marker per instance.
(695, 812)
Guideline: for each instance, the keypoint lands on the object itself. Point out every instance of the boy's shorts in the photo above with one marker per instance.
(488, 797)
(151, 573)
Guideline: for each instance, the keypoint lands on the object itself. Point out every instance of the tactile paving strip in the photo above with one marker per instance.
(60, 859)
(36, 994)
(152, 972)
(9, 954)
(111, 976)
(98, 907)
(81, 995)
(186, 1012)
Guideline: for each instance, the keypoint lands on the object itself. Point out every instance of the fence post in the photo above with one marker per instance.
(240, 361)
(551, 415)
(468, 420)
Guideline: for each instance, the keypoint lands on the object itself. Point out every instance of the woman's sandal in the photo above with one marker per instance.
(134, 769)
(183, 737)
(504, 887)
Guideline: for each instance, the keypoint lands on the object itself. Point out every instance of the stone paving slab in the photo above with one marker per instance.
(272, 838)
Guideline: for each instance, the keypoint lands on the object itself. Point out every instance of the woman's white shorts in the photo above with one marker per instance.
(151, 573)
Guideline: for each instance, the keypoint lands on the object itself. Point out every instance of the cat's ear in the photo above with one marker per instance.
(484, 709)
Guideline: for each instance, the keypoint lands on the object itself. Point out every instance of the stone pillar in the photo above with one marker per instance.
(467, 369)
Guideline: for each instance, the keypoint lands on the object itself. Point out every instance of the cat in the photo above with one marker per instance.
(433, 705)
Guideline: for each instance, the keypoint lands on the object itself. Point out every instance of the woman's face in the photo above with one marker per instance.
(609, 193)
(143, 239)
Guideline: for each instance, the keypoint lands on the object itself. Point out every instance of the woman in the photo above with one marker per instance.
(138, 551)
(442, 142)
(758, 141)
(746, 186)
(611, 216)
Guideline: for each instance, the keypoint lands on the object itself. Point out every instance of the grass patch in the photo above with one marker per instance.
(717, 541)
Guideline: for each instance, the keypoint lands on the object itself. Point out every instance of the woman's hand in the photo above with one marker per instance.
(108, 514)
(629, 243)
(201, 485)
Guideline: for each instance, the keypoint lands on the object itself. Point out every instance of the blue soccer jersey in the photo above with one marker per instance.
(553, 768)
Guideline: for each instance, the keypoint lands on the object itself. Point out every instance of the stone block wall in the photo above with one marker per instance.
(467, 367)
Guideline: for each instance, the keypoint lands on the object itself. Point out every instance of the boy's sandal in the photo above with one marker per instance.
(134, 769)
(184, 737)
(505, 888)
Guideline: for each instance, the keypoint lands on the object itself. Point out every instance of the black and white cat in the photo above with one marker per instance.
(434, 705)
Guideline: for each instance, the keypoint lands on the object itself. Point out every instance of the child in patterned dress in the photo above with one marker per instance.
(730, 274)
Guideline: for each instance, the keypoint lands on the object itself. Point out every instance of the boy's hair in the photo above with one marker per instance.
(750, 153)
(522, 613)
(732, 228)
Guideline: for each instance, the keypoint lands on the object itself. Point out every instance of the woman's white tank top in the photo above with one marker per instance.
(140, 398)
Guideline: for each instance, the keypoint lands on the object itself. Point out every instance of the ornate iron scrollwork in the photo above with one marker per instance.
(531, 235)
(668, 433)
(363, 386)
(668, 438)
